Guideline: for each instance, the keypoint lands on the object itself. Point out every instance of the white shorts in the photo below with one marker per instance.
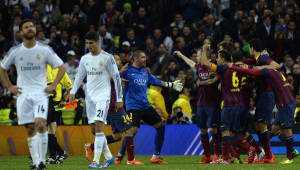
(97, 111)
(31, 106)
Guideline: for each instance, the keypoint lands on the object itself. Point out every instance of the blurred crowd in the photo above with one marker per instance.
(159, 27)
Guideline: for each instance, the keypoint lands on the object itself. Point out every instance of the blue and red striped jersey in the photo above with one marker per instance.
(207, 95)
(243, 83)
(231, 86)
(280, 86)
(265, 59)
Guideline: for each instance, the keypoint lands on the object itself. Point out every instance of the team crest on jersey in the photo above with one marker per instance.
(145, 74)
(38, 56)
(132, 74)
(100, 63)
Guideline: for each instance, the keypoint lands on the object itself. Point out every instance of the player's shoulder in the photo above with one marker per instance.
(106, 54)
(14, 49)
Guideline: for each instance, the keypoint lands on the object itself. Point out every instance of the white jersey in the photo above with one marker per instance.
(31, 64)
(98, 70)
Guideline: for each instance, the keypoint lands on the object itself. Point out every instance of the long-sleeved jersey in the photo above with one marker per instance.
(98, 70)
(31, 64)
(138, 81)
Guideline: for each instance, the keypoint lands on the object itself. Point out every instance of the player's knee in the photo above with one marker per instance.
(30, 129)
(117, 137)
(288, 132)
(203, 131)
(93, 131)
(213, 131)
(40, 125)
(158, 125)
(52, 128)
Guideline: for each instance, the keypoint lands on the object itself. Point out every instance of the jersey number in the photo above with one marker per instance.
(41, 109)
(127, 118)
(235, 80)
(100, 113)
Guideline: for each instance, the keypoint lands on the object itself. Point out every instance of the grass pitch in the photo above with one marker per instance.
(174, 163)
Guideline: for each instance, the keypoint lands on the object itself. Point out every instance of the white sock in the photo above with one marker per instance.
(106, 151)
(98, 146)
(34, 149)
(43, 144)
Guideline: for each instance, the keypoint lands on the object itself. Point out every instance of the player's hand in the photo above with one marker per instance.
(15, 90)
(119, 106)
(177, 53)
(124, 68)
(177, 85)
(206, 47)
(123, 82)
(50, 88)
(71, 98)
(229, 65)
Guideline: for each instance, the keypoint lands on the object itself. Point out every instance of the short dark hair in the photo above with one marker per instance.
(137, 54)
(237, 56)
(24, 21)
(226, 55)
(256, 44)
(92, 35)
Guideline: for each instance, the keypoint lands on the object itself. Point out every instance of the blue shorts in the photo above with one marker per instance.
(118, 121)
(230, 118)
(265, 103)
(285, 116)
(207, 117)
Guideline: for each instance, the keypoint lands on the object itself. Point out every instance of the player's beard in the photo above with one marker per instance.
(29, 35)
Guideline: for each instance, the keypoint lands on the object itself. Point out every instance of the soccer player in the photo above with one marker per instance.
(119, 122)
(233, 103)
(53, 116)
(98, 66)
(208, 114)
(137, 104)
(285, 103)
(31, 59)
(265, 99)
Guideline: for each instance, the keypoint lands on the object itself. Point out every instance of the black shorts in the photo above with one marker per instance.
(53, 116)
(149, 116)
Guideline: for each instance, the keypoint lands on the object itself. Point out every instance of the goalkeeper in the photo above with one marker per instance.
(137, 79)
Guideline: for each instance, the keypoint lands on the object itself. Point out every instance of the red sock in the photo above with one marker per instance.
(92, 146)
(226, 143)
(217, 143)
(129, 147)
(265, 141)
(205, 144)
(237, 152)
(242, 143)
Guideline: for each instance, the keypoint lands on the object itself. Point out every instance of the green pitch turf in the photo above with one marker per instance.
(174, 163)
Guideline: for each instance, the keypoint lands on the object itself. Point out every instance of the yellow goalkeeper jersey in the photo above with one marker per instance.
(64, 82)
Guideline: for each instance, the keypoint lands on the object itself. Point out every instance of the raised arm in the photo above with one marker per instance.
(204, 61)
(207, 82)
(188, 61)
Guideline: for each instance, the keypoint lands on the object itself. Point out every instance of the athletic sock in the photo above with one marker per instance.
(250, 139)
(289, 143)
(34, 149)
(106, 151)
(159, 139)
(129, 147)
(217, 143)
(58, 149)
(205, 144)
(43, 145)
(226, 143)
(123, 148)
(92, 146)
(266, 144)
(98, 144)
(242, 143)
